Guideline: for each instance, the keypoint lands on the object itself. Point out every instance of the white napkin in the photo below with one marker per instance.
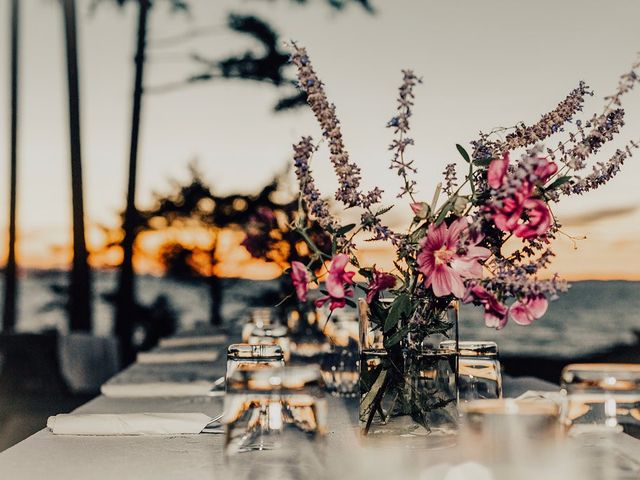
(157, 389)
(178, 356)
(195, 340)
(128, 423)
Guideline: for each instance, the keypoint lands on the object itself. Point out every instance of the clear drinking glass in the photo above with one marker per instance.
(479, 371)
(273, 408)
(251, 357)
(340, 372)
(304, 403)
(260, 317)
(514, 438)
(272, 335)
(308, 338)
(253, 418)
(602, 397)
(509, 428)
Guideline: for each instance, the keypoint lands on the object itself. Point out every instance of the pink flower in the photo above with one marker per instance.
(509, 216)
(524, 312)
(538, 219)
(442, 266)
(495, 313)
(381, 281)
(301, 279)
(335, 283)
(526, 217)
(416, 207)
(545, 171)
(497, 171)
(420, 209)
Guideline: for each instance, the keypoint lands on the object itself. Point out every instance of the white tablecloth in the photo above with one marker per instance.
(49, 457)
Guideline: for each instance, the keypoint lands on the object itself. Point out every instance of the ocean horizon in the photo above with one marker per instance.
(592, 316)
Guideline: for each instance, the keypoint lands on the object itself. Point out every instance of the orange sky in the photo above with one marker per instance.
(523, 60)
(598, 256)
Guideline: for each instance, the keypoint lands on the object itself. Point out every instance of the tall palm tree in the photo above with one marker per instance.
(9, 308)
(125, 300)
(80, 283)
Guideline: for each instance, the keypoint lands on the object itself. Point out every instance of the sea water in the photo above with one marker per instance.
(591, 316)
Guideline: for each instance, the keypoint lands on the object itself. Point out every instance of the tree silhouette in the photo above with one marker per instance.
(250, 66)
(9, 306)
(80, 284)
(264, 219)
(125, 304)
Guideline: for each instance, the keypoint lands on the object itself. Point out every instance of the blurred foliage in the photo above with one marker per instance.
(176, 5)
(266, 63)
(180, 262)
(340, 4)
(265, 219)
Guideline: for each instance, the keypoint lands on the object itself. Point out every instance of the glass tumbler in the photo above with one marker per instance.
(340, 373)
(479, 370)
(273, 409)
(251, 357)
(252, 417)
(260, 317)
(508, 432)
(304, 404)
(601, 397)
(273, 335)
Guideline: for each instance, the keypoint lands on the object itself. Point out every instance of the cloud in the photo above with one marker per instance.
(597, 215)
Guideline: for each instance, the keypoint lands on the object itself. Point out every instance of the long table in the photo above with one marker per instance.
(340, 455)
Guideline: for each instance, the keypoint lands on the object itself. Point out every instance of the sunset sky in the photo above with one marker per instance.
(484, 64)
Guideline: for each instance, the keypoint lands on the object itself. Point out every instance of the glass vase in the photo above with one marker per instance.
(409, 390)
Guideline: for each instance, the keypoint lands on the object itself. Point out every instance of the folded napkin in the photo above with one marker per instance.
(156, 389)
(178, 356)
(193, 340)
(128, 423)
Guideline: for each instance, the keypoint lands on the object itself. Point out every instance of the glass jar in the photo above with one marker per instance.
(479, 370)
(408, 389)
(274, 335)
(601, 397)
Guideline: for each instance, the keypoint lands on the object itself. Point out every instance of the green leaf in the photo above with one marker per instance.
(366, 273)
(558, 181)
(401, 307)
(377, 313)
(345, 229)
(463, 152)
(394, 339)
(384, 210)
(368, 401)
(483, 162)
(443, 213)
(351, 303)
(368, 377)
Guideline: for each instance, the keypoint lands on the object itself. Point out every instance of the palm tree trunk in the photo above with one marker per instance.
(80, 282)
(9, 306)
(215, 285)
(125, 302)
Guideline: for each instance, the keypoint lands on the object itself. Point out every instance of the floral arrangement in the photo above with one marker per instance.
(455, 247)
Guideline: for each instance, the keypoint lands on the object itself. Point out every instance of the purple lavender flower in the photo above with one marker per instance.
(318, 208)
(400, 124)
